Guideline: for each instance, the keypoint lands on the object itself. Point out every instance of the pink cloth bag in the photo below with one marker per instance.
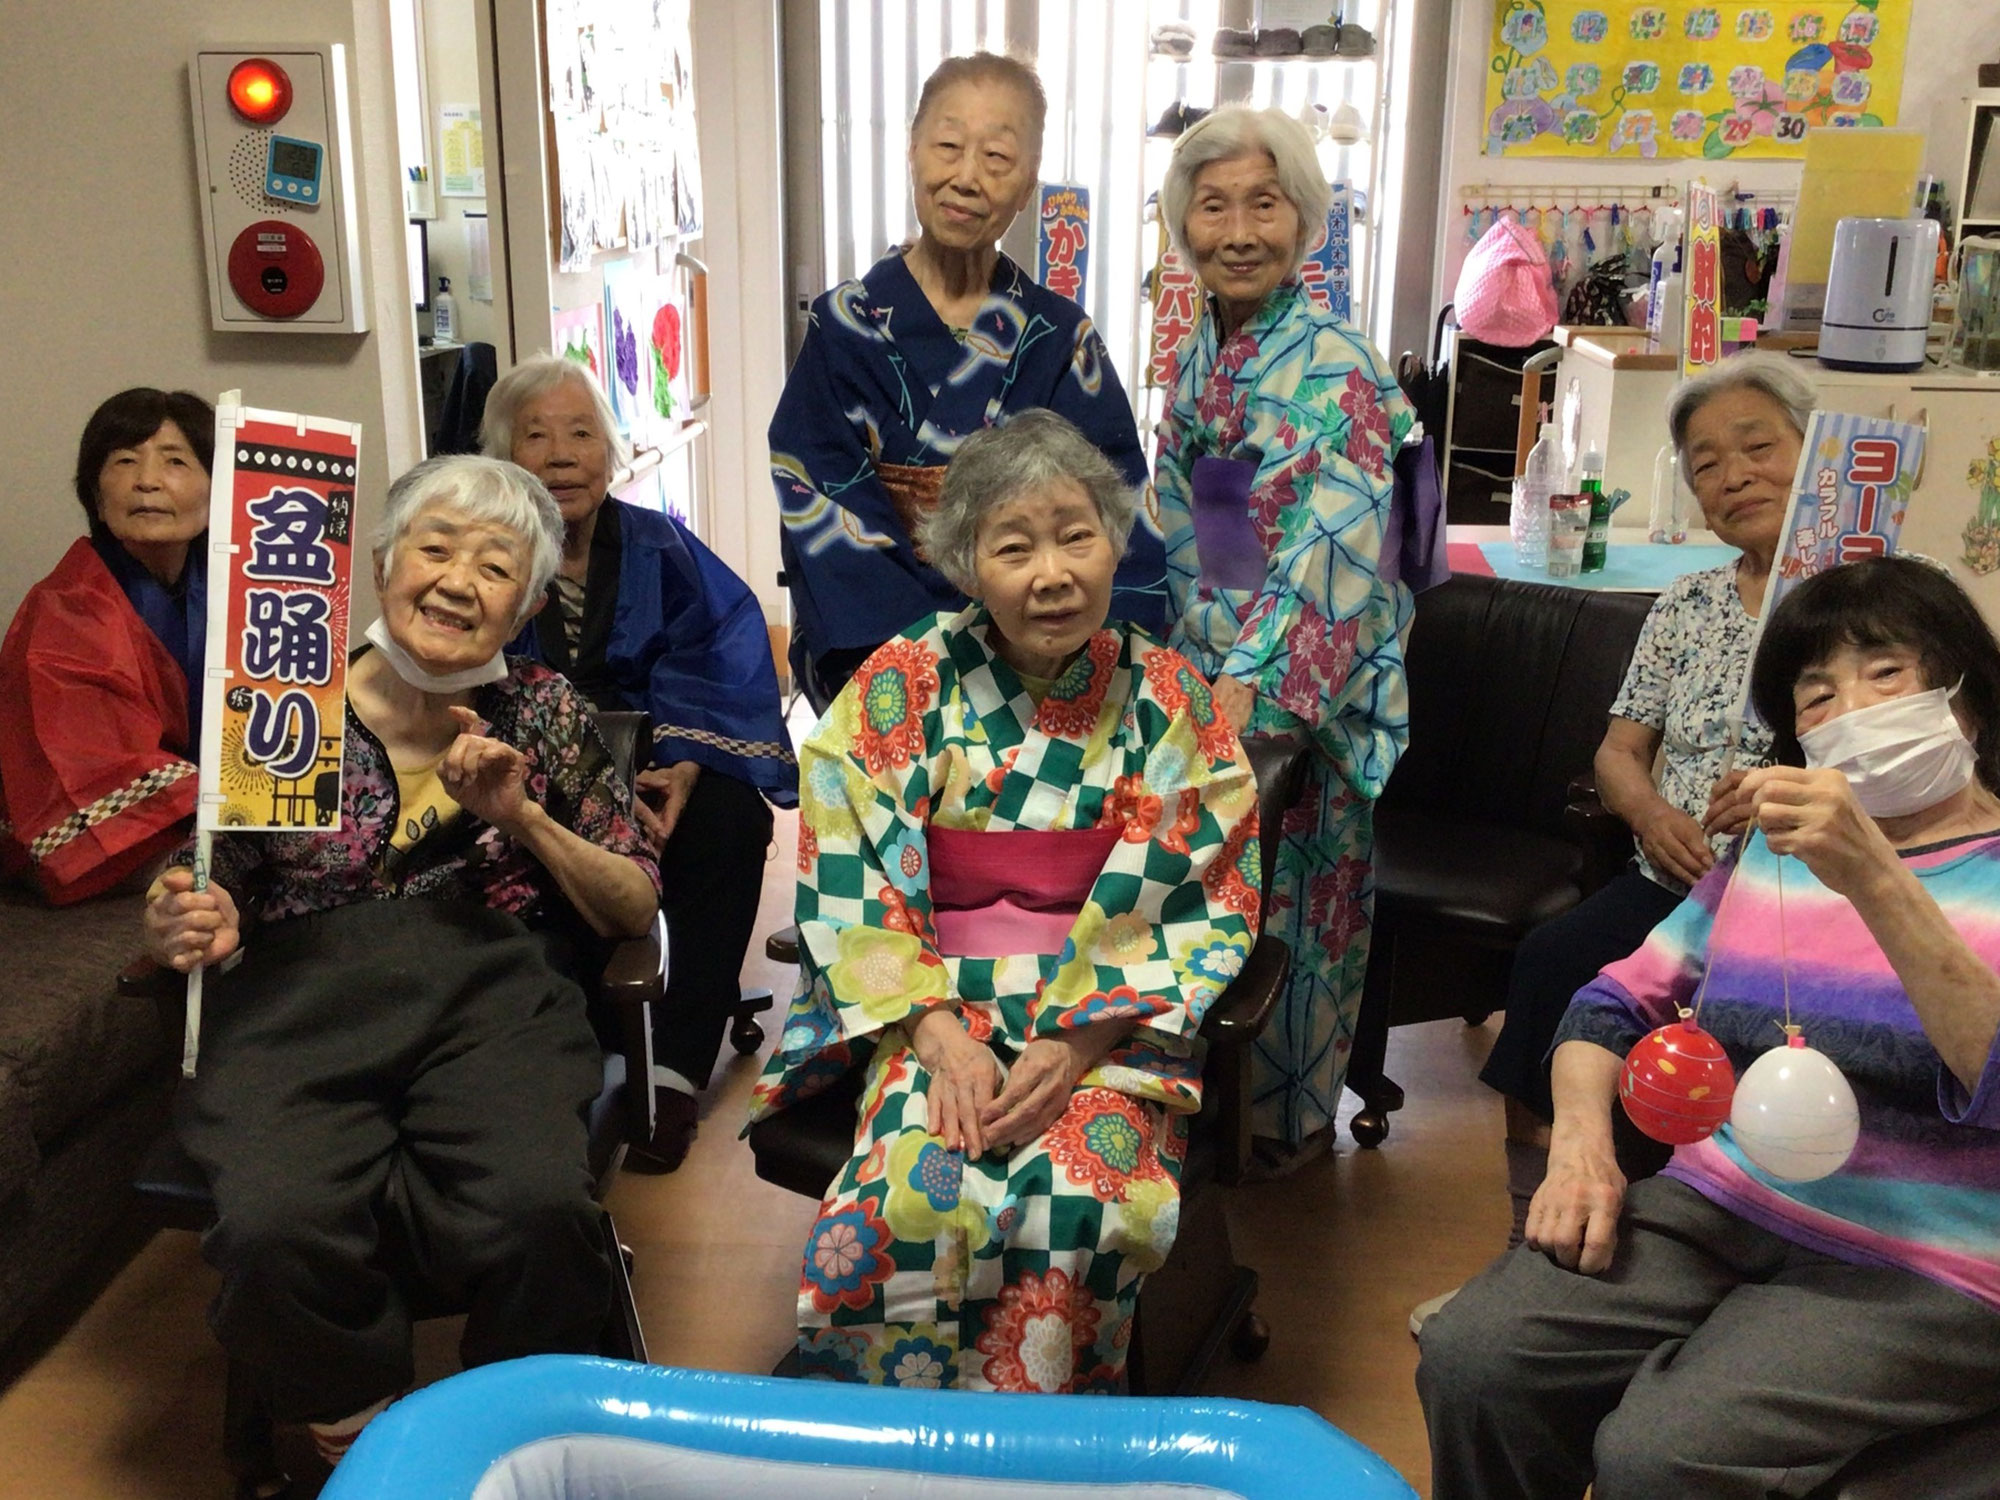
(1504, 294)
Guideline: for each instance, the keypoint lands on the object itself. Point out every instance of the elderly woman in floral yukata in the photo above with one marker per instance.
(1027, 865)
(1274, 483)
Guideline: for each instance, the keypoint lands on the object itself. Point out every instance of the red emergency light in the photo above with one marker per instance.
(260, 91)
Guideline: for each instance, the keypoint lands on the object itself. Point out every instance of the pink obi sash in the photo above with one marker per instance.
(1014, 891)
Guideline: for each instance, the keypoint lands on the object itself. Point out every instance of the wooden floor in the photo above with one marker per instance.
(126, 1401)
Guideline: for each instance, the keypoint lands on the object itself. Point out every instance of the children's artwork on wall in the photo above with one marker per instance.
(666, 350)
(627, 327)
(579, 335)
(1686, 78)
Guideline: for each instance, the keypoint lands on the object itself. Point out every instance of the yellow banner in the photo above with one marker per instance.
(1584, 78)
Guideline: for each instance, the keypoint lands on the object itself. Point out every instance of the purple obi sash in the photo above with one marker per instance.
(1019, 890)
(1225, 538)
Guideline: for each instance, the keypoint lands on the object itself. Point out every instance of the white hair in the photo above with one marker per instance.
(534, 377)
(1237, 130)
(1770, 374)
(486, 489)
(1029, 451)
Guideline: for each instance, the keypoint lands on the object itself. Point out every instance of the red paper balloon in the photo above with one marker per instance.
(1677, 1084)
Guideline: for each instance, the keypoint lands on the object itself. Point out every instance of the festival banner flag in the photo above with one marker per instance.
(1328, 273)
(1062, 244)
(1849, 494)
(1701, 320)
(280, 530)
(1853, 485)
(280, 540)
(1176, 308)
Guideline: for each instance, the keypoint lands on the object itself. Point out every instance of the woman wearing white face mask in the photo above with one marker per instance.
(1716, 1330)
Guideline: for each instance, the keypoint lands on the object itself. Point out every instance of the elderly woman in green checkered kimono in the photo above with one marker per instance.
(1027, 865)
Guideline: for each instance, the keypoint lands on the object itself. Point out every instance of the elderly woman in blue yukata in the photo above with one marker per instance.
(640, 615)
(938, 340)
(1274, 484)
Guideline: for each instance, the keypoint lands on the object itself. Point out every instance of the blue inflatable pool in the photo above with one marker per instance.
(560, 1427)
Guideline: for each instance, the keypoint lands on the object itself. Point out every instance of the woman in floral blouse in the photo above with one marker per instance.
(1027, 864)
(1274, 484)
(1736, 434)
(398, 1068)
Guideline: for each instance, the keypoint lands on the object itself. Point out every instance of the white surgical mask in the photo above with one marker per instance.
(1900, 757)
(431, 682)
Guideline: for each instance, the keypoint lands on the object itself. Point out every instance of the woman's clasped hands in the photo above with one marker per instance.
(970, 1109)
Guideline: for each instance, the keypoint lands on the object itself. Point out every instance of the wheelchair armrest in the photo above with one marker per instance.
(782, 946)
(1241, 1012)
(1237, 1019)
(1599, 833)
(635, 978)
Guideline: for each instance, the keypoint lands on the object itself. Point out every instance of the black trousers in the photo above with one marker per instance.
(711, 874)
(390, 1103)
(1553, 962)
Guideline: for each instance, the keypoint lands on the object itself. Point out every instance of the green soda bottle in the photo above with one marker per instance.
(1595, 539)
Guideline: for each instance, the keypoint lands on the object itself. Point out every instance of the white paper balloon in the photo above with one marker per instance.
(1794, 1114)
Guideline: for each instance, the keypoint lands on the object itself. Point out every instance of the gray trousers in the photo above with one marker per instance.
(1712, 1359)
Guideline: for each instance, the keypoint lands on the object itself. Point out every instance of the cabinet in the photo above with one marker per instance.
(1481, 428)
(1977, 191)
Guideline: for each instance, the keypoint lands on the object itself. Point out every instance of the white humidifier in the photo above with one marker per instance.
(1878, 294)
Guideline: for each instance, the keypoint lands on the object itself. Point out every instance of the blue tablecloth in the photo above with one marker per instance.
(1632, 567)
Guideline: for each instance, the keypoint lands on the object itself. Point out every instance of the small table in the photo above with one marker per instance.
(1632, 565)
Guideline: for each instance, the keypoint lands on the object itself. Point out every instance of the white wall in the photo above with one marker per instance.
(737, 103)
(1948, 38)
(104, 285)
(452, 62)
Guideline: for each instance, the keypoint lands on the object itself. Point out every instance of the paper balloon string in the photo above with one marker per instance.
(1795, 1114)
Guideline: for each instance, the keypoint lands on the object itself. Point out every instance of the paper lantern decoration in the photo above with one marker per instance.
(1677, 1083)
(1795, 1114)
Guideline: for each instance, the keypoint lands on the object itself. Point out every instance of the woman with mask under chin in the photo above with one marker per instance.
(1718, 1330)
(400, 1059)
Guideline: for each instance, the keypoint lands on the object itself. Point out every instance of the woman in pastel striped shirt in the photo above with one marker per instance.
(1717, 1330)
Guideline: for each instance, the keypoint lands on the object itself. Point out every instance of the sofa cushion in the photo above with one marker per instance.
(1484, 882)
(68, 1041)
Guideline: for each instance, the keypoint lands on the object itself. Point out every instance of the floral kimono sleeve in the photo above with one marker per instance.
(867, 948)
(1170, 920)
(1324, 471)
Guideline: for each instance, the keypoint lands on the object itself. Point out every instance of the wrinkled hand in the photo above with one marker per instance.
(963, 1077)
(1038, 1090)
(1574, 1215)
(1813, 815)
(185, 927)
(660, 793)
(1674, 843)
(1729, 806)
(486, 777)
(1233, 700)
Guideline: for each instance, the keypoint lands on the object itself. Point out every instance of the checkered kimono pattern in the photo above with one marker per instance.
(1018, 1271)
(1303, 396)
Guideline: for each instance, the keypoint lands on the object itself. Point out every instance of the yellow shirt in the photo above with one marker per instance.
(424, 803)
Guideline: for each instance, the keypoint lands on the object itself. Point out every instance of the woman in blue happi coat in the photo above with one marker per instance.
(941, 338)
(641, 615)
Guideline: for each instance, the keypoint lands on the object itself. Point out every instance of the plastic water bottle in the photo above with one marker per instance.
(1666, 516)
(1528, 516)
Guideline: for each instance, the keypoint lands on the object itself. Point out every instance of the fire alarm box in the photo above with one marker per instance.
(275, 164)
